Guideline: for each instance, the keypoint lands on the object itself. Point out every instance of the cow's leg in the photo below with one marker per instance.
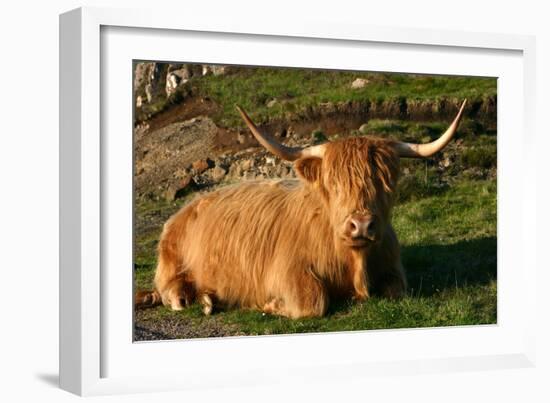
(206, 299)
(147, 299)
(359, 275)
(174, 284)
(385, 269)
(173, 280)
(392, 283)
(304, 296)
(274, 306)
(178, 292)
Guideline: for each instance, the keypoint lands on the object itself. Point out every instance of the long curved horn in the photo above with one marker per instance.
(412, 150)
(280, 150)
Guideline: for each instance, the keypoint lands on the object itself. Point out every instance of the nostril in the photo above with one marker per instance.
(353, 228)
(359, 226)
(371, 227)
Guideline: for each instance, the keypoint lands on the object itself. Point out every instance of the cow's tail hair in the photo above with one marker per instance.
(147, 299)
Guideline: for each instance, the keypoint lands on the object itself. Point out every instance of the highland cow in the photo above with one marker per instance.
(289, 247)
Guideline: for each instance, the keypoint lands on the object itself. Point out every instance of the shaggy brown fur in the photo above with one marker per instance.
(281, 246)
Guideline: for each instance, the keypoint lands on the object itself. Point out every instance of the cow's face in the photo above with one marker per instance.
(356, 179)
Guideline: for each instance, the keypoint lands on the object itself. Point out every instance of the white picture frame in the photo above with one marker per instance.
(95, 360)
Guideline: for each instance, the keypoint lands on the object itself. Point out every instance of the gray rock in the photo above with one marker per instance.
(364, 128)
(172, 82)
(149, 92)
(202, 165)
(272, 103)
(179, 189)
(179, 74)
(218, 173)
(169, 150)
(359, 83)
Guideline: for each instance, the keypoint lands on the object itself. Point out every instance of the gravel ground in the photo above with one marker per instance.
(147, 326)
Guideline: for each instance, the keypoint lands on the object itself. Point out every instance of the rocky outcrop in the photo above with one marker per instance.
(156, 83)
(179, 74)
(181, 158)
(164, 158)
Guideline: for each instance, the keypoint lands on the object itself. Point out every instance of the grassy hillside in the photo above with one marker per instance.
(298, 89)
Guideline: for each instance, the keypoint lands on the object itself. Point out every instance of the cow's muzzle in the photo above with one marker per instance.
(360, 230)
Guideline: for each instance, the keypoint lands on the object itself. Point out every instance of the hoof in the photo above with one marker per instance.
(360, 297)
(207, 305)
(273, 307)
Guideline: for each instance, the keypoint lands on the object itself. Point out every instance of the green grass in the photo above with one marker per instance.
(449, 251)
(445, 215)
(459, 308)
(297, 89)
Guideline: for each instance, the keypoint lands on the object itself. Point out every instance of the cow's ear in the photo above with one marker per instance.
(309, 168)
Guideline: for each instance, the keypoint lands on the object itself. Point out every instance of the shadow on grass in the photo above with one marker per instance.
(433, 269)
(436, 268)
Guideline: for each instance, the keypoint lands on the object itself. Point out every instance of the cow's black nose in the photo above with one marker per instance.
(362, 227)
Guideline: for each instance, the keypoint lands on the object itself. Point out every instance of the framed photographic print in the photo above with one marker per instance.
(237, 198)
